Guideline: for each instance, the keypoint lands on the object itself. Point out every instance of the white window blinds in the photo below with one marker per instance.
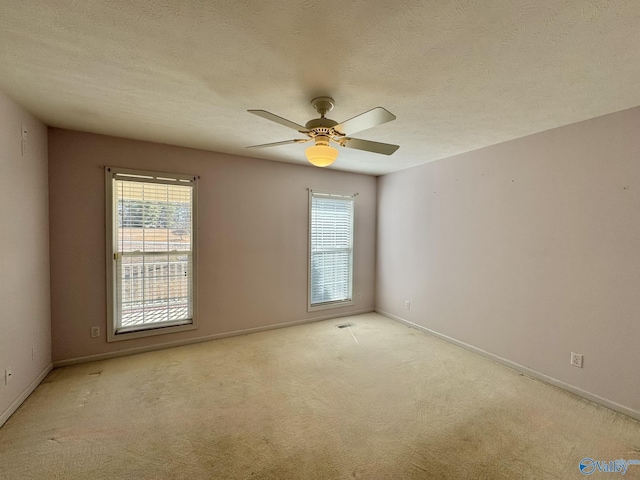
(153, 251)
(331, 249)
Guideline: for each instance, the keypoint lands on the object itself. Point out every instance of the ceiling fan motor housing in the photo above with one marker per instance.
(319, 123)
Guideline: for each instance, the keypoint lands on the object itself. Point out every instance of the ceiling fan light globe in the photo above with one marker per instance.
(321, 155)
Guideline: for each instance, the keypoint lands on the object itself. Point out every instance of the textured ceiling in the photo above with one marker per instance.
(459, 75)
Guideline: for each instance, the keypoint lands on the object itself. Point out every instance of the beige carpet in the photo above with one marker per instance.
(376, 401)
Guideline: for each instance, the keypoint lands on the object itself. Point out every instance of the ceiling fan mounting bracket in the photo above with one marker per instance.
(323, 105)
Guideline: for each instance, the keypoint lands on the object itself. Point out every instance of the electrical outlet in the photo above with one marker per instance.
(8, 375)
(358, 296)
(407, 304)
(576, 359)
(95, 332)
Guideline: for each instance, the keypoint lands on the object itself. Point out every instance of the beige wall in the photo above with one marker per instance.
(24, 246)
(252, 238)
(528, 250)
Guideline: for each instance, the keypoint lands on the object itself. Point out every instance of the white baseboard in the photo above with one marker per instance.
(23, 396)
(207, 338)
(635, 414)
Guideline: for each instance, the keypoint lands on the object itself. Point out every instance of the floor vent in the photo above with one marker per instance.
(345, 325)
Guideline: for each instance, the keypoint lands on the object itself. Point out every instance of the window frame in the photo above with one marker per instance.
(111, 265)
(336, 303)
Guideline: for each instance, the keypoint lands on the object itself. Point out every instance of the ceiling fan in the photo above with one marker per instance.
(323, 131)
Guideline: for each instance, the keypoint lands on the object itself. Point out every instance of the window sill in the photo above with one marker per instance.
(149, 332)
(326, 306)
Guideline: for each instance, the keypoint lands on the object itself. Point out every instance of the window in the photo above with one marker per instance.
(151, 253)
(330, 250)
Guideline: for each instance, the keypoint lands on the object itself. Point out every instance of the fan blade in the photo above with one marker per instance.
(275, 144)
(369, 146)
(372, 118)
(277, 119)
